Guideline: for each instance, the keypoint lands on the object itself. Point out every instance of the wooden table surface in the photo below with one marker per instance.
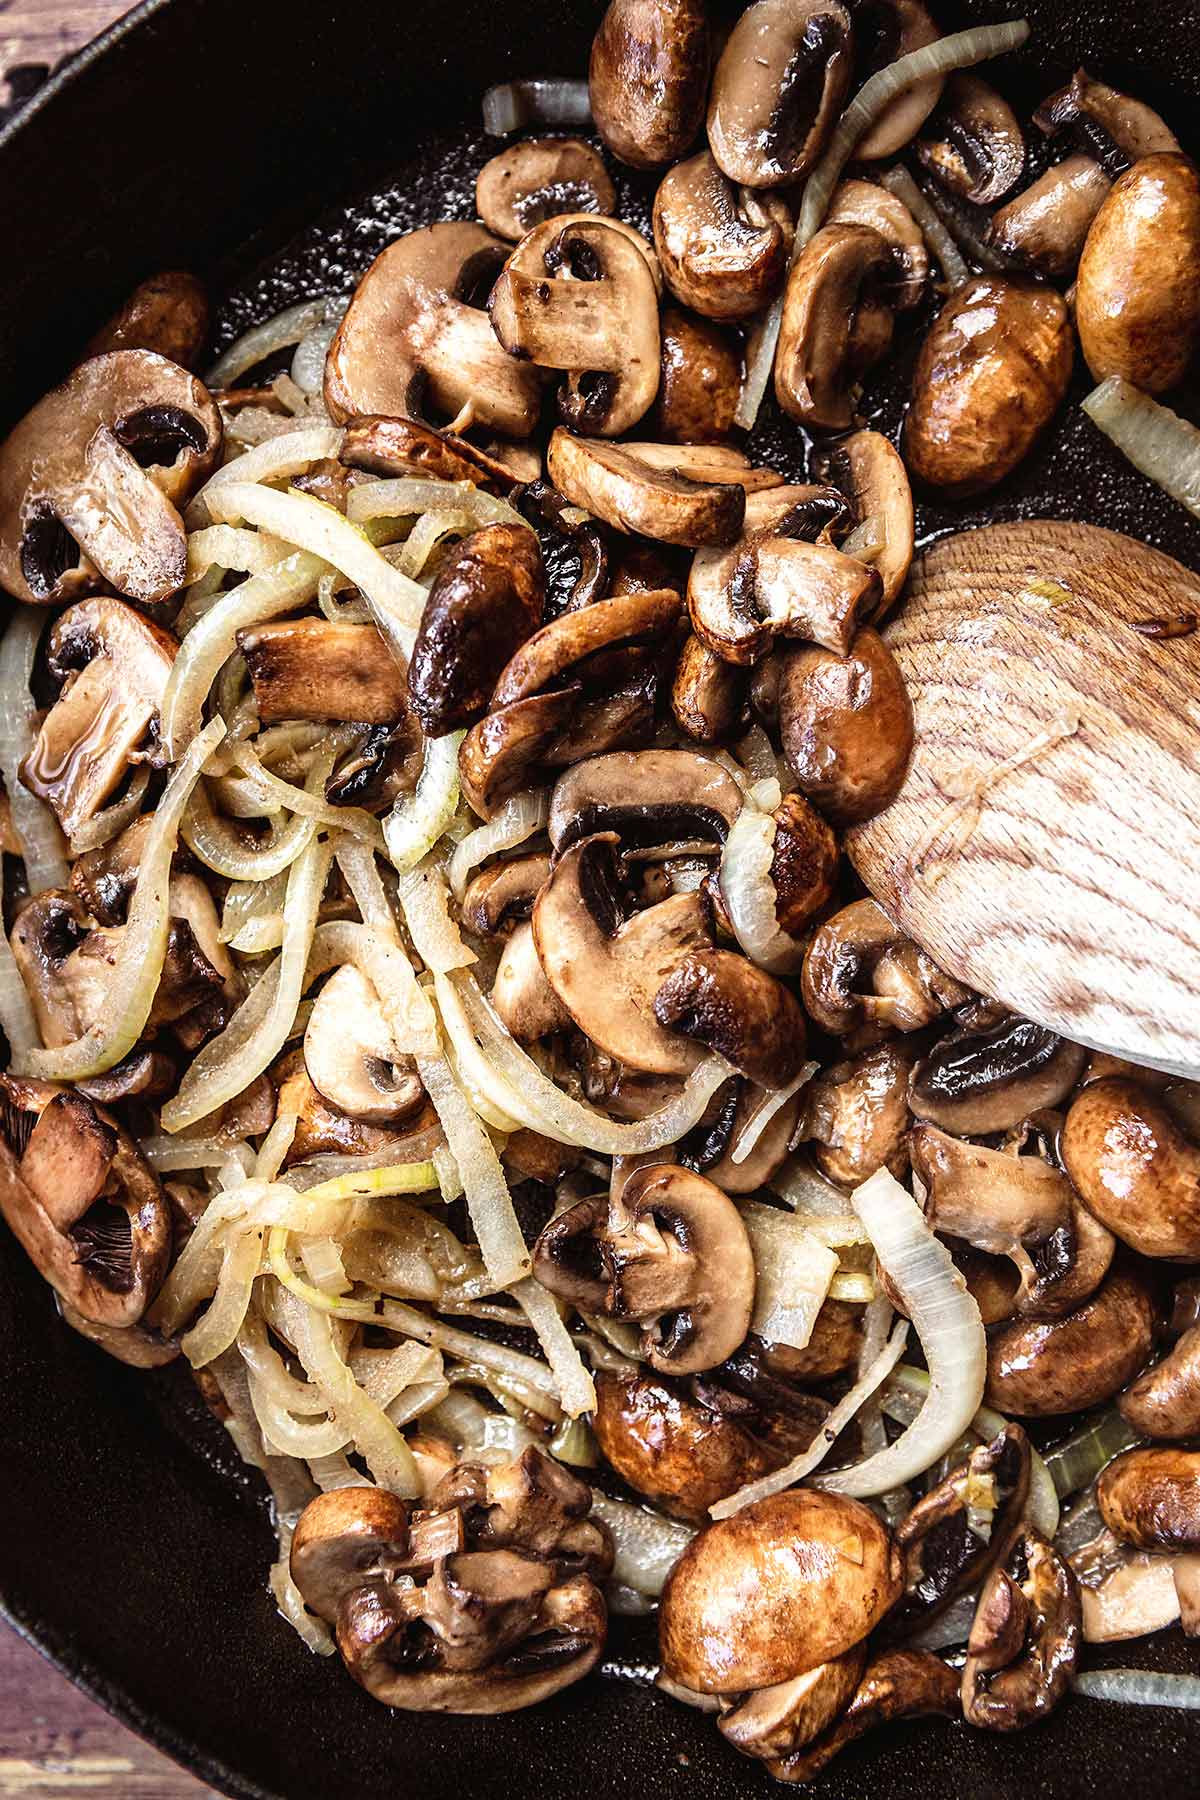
(53, 1741)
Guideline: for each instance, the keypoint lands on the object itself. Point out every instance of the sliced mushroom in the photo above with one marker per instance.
(323, 669)
(166, 313)
(113, 665)
(648, 78)
(700, 380)
(1135, 1168)
(846, 724)
(1151, 1498)
(1165, 1401)
(415, 330)
(755, 1169)
(578, 294)
(344, 1539)
(398, 447)
(856, 1114)
(877, 209)
(485, 601)
(870, 471)
(321, 1128)
(569, 647)
(982, 1079)
(1111, 126)
(899, 1684)
(974, 144)
(90, 480)
(783, 1585)
(521, 994)
(605, 967)
(726, 1002)
(540, 179)
(616, 485)
(1130, 1596)
(836, 325)
(82, 1202)
(1045, 227)
(708, 694)
(350, 1055)
(1040, 1368)
(775, 1722)
(138, 1346)
(1024, 1642)
(377, 768)
(778, 89)
(678, 1453)
(648, 797)
(858, 944)
(883, 31)
(723, 250)
(575, 550)
(504, 893)
(498, 755)
(533, 1505)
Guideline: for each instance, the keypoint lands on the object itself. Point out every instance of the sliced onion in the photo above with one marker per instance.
(831, 1429)
(308, 364)
(393, 1178)
(374, 1436)
(576, 1389)
(488, 1092)
(282, 457)
(103, 826)
(277, 333)
(36, 827)
(222, 1321)
(430, 530)
(749, 893)
(898, 181)
(647, 1545)
(793, 1271)
(228, 547)
(1158, 443)
(419, 821)
(357, 864)
(516, 822)
(16, 1009)
(810, 1194)
(514, 105)
(488, 1200)
(760, 361)
(1076, 1462)
(297, 800)
(216, 842)
(394, 1316)
(275, 1146)
(405, 1005)
(408, 495)
(765, 1111)
(1140, 1687)
(138, 962)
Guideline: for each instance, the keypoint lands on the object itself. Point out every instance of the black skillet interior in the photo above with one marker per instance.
(209, 134)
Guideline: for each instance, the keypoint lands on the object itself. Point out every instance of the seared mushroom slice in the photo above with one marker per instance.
(166, 313)
(773, 1723)
(1024, 1643)
(723, 250)
(351, 1058)
(648, 797)
(710, 1146)
(617, 485)
(1165, 1401)
(1114, 128)
(321, 1127)
(907, 989)
(1042, 1368)
(521, 995)
(416, 330)
(569, 648)
(579, 295)
(725, 1001)
(503, 894)
(397, 447)
(1150, 1499)
(485, 601)
(376, 768)
(778, 89)
(606, 967)
(989, 1077)
(323, 669)
(876, 208)
(900, 1684)
(883, 31)
(836, 324)
(575, 550)
(671, 1253)
(497, 756)
(90, 479)
(81, 1201)
(648, 78)
(870, 471)
(708, 694)
(138, 1346)
(113, 665)
(346, 1538)
(534, 1505)
(973, 143)
(846, 725)
(1045, 227)
(540, 179)
(700, 380)
(856, 1115)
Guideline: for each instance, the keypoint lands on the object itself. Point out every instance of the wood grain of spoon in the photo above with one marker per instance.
(1045, 846)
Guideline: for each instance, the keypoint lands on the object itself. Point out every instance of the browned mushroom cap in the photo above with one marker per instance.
(1136, 304)
(606, 967)
(836, 324)
(990, 377)
(1151, 1498)
(708, 694)
(775, 1722)
(323, 669)
(485, 601)
(860, 943)
(678, 1453)
(496, 757)
(648, 78)
(89, 481)
(113, 665)
(138, 1346)
(870, 471)
(415, 332)
(521, 994)
(1045, 227)
(778, 89)
(973, 143)
(1135, 1167)
(883, 31)
(345, 1539)
(1024, 1642)
(82, 1201)
(569, 646)
(376, 769)
(1108, 125)
(856, 1114)
(503, 894)
(831, 1350)
(1165, 1401)
(1039, 1368)
(900, 1684)
(167, 313)
(540, 179)
(987, 1078)
(648, 797)
(398, 447)
(725, 1001)
(783, 1585)
(579, 294)
(846, 725)
(876, 208)
(1019, 1207)
(615, 484)
(351, 1057)
(321, 1127)
(700, 381)
(535, 1505)
(944, 1555)
(723, 250)
(804, 864)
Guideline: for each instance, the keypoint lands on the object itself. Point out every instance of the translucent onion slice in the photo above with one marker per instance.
(898, 181)
(1158, 443)
(513, 105)
(277, 333)
(368, 1427)
(226, 547)
(576, 1389)
(765, 1111)
(275, 1146)
(488, 1092)
(396, 1178)
(514, 824)
(419, 821)
(308, 364)
(217, 844)
(357, 864)
(402, 498)
(811, 1194)
(749, 893)
(406, 1007)
(793, 1273)
(227, 1064)
(1140, 1687)
(396, 603)
(139, 959)
(647, 1545)
(280, 458)
(222, 1321)
(514, 1364)
(297, 800)
(16, 1010)
(488, 1200)
(427, 533)
(34, 823)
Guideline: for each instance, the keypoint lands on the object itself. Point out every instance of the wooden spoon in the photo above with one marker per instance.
(1045, 846)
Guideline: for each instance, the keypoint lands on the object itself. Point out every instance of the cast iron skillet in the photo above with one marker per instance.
(133, 1548)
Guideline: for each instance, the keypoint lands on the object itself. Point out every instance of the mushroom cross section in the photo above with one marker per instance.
(1024, 1642)
(725, 1001)
(778, 89)
(629, 493)
(723, 249)
(539, 179)
(974, 144)
(878, 209)
(647, 797)
(351, 1058)
(860, 944)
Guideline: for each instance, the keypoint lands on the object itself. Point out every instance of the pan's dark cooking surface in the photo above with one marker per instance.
(211, 134)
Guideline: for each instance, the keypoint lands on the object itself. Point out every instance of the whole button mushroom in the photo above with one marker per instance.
(1165, 1401)
(991, 375)
(1138, 301)
(680, 1454)
(486, 600)
(1045, 227)
(846, 725)
(1151, 1498)
(648, 78)
(167, 313)
(785, 1584)
(1041, 1368)
(1135, 1167)
(723, 250)
(778, 89)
